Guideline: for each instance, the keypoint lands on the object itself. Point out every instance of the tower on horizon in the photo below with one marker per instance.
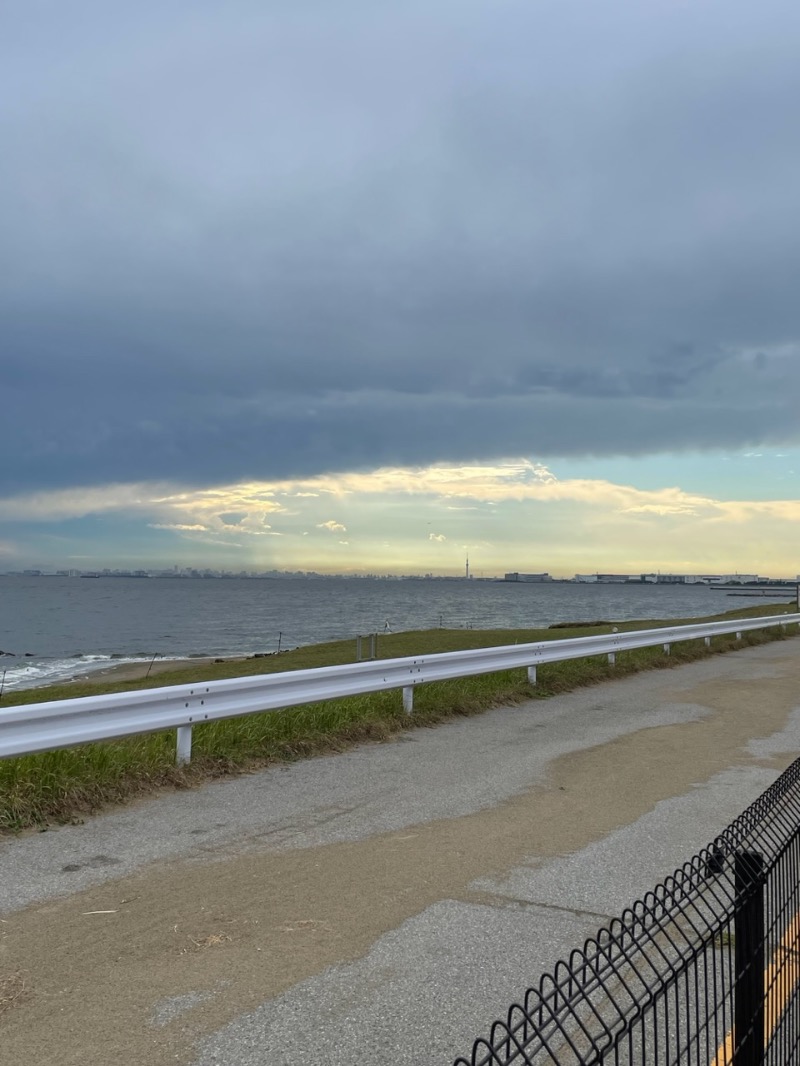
(467, 572)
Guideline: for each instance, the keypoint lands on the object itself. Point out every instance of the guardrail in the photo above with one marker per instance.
(702, 971)
(40, 727)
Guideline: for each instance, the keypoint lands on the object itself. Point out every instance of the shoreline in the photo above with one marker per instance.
(133, 670)
(137, 671)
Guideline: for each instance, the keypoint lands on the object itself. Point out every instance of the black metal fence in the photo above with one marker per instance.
(703, 970)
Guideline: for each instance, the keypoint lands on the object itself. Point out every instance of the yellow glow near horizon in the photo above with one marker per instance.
(512, 515)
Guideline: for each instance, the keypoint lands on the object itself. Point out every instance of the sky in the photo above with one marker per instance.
(359, 286)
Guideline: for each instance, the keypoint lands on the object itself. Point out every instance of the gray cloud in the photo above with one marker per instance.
(269, 241)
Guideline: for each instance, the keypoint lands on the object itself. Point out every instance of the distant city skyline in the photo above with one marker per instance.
(597, 577)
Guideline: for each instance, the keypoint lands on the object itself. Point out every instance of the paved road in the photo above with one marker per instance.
(382, 905)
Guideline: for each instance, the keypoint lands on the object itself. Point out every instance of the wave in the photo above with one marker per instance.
(37, 672)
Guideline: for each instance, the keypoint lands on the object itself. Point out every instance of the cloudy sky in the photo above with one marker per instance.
(356, 286)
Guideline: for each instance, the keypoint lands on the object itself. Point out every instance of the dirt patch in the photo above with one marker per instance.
(13, 990)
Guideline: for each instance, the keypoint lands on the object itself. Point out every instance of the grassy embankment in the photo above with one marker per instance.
(64, 785)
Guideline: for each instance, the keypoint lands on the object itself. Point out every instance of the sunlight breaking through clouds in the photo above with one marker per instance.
(247, 507)
(404, 519)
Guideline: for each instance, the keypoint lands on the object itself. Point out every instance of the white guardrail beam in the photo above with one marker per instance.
(39, 727)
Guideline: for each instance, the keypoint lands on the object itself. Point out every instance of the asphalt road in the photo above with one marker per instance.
(386, 904)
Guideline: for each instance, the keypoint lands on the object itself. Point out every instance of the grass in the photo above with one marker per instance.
(64, 786)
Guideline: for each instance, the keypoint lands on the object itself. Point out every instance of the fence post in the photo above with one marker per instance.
(666, 649)
(531, 675)
(612, 658)
(373, 647)
(184, 752)
(408, 698)
(748, 990)
(708, 641)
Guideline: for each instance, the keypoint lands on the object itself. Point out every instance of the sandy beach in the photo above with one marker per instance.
(138, 670)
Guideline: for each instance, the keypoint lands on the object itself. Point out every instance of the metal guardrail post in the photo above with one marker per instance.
(531, 675)
(408, 698)
(748, 992)
(183, 754)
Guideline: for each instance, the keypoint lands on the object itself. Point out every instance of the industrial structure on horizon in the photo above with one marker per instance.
(656, 579)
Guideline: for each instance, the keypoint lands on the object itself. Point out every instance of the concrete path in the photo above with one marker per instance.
(383, 905)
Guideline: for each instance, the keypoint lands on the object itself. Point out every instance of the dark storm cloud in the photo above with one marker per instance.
(268, 240)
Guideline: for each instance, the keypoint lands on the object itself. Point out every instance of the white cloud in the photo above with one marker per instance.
(178, 527)
(57, 504)
(452, 488)
(518, 511)
(660, 509)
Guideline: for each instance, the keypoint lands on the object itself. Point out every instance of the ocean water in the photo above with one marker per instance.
(56, 628)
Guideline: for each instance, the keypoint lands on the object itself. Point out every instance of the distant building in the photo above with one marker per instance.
(604, 579)
(728, 579)
(528, 577)
(672, 579)
(669, 579)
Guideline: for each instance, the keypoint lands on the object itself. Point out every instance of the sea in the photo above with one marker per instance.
(53, 629)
